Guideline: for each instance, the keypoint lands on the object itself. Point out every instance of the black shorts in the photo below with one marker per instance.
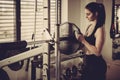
(94, 68)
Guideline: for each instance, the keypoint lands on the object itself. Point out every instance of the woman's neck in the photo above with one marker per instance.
(91, 28)
(93, 22)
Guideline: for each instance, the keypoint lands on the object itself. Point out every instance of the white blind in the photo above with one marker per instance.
(53, 15)
(31, 19)
(7, 20)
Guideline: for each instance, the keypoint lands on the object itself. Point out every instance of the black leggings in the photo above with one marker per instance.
(94, 68)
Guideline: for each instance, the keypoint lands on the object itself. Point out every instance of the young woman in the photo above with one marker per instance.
(94, 65)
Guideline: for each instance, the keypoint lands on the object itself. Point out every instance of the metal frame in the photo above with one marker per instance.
(43, 49)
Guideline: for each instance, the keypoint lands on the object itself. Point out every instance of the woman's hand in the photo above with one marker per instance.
(79, 37)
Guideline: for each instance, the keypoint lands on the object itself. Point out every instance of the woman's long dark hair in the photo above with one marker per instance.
(99, 8)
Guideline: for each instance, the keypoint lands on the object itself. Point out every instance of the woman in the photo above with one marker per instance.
(94, 65)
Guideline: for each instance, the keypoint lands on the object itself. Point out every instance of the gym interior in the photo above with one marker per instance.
(34, 43)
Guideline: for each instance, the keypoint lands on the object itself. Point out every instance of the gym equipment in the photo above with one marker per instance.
(68, 42)
(40, 50)
(36, 63)
(68, 73)
(13, 45)
(10, 49)
(16, 66)
(64, 57)
(72, 73)
(74, 70)
(4, 75)
(25, 55)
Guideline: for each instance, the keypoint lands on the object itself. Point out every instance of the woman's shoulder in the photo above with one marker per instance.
(100, 28)
(100, 31)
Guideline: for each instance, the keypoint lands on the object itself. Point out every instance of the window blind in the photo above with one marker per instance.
(31, 16)
(52, 15)
(31, 19)
(7, 20)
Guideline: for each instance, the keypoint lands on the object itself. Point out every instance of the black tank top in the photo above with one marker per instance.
(91, 38)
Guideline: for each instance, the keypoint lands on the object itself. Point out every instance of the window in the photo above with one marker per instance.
(7, 21)
(31, 19)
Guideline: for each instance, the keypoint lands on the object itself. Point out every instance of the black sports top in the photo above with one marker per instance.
(91, 38)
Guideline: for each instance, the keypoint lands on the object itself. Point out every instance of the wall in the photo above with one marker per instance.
(74, 11)
(64, 12)
(107, 49)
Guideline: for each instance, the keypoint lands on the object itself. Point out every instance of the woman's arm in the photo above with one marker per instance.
(98, 43)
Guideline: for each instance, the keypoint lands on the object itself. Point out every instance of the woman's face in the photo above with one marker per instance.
(89, 15)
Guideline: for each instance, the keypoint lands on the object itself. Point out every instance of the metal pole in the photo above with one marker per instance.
(57, 53)
(35, 11)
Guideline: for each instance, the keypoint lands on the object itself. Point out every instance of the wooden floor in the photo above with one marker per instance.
(113, 71)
